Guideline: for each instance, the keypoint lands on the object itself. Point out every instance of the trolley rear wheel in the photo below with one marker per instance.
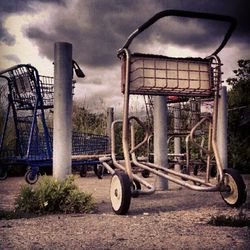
(31, 177)
(235, 194)
(136, 185)
(120, 193)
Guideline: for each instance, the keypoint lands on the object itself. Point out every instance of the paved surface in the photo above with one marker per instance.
(175, 219)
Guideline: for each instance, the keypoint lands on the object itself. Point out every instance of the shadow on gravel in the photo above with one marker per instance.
(181, 200)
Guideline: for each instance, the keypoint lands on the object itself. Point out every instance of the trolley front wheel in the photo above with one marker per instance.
(99, 170)
(120, 193)
(83, 171)
(31, 177)
(3, 174)
(235, 193)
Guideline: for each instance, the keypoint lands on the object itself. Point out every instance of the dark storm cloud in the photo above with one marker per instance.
(5, 37)
(98, 28)
(17, 6)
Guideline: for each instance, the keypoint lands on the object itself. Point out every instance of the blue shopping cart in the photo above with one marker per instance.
(30, 98)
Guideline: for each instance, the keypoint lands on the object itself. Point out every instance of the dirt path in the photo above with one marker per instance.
(175, 219)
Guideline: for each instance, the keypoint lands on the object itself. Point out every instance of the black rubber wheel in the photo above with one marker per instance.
(213, 171)
(30, 177)
(145, 173)
(136, 185)
(83, 171)
(120, 193)
(195, 171)
(3, 174)
(99, 170)
(235, 194)
(184, 171)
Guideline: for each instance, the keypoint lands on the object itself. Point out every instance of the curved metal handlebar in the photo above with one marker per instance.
(16, 67)
(28, 66)
(188, 14)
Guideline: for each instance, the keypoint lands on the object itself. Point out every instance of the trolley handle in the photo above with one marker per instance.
(15, 67)
(188, 14)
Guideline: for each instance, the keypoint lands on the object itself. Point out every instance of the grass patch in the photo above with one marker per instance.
(50, 196)
(230, 221)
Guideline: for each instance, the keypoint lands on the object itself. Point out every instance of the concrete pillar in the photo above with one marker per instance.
(160, 139)
(195, 113)
(177, 140)
(110, 119)
(222, 126)
(62, 120)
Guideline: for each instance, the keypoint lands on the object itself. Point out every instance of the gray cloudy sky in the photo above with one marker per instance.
(98, 28)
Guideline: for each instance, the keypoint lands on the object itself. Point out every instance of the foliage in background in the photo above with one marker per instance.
(239, 117)
(9, 143)
(53, 196)
(86, 122)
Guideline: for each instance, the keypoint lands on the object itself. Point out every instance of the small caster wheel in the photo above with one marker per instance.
(83, 171)
(31, 177)
(234, 189)
(145, 173)
(213, 171)
(3, 174)
(120, 193)
(184, 171)
(195, 171)
(136, 185)
(99, 170)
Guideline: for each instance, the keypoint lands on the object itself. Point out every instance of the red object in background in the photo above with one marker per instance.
(172, 98)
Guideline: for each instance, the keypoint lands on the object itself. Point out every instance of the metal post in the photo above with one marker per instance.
(160, 139)
(177, 140)
(195, 113)
(222, 126)
(62, 123)
(110, 119)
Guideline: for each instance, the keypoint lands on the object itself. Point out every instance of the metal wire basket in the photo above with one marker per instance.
(154, 74)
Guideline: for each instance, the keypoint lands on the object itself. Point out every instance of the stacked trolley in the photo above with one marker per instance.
(179, 79)
(30, 98)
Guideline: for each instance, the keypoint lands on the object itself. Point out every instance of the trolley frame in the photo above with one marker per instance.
(146, 74)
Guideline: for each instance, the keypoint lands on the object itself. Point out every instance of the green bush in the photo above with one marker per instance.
(53, 196)
(230, 221)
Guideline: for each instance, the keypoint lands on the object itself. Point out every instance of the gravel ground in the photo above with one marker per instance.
(173, 219)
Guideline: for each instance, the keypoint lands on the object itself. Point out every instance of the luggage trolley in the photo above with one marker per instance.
(181, 78)
(31, 97)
